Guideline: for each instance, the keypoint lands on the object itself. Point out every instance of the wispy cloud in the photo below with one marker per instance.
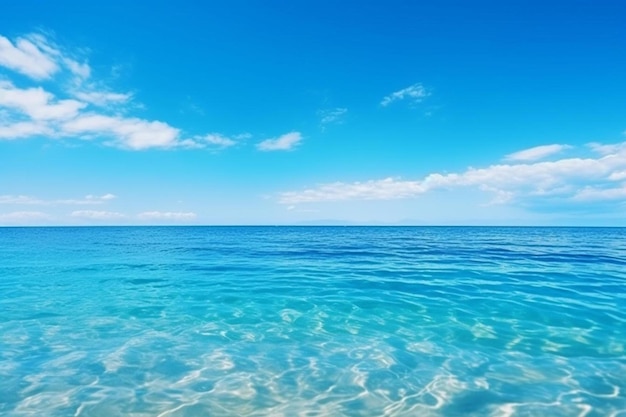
(536, 153)
(29, 200)
(599, 194)
(415, 93)
(103, 215)
(242, 136)
(167, 215)
(104, 197)
(215, 141)
(19, 199)
(383, 189)
(218, 140)
(93, 209)
(285, 142)
(23, 217)
(87, 200)
(607, 149)
(331, 116)
(103, 98)
(569, 179)
(97, 215)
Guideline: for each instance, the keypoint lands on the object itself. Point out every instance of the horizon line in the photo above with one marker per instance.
(313, 225)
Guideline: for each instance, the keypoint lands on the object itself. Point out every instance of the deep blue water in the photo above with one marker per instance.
(312, 321)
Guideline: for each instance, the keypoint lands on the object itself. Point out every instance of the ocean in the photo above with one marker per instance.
(312, 321)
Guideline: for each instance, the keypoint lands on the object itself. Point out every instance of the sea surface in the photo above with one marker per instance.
(312, 321)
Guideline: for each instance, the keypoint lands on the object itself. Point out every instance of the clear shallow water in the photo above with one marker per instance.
(312, 321)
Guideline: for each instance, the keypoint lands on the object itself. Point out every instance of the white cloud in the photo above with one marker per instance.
(536, 153)
(166, 215)
(84, 108)
(568, 179)
(597, 194)
(37, 103)
(282, 143)
(27, 58)
(500, 196)
(22, 217)
(19, 130)
(97, 215)
(617, 176)
(415, 93)
(607, 149)
(130, 133)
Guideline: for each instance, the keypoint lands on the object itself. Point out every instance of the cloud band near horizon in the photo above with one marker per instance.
(600, 176)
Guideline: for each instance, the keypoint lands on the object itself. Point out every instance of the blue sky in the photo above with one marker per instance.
(313, 112)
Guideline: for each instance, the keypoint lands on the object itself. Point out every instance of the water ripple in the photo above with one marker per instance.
(258, 321)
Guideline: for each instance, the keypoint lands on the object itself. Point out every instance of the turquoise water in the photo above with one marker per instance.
(312, 321)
